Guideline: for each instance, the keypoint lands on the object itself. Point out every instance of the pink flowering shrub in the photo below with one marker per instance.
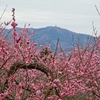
(27, 73)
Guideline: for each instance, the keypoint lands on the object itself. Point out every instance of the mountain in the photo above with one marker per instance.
(50, 35)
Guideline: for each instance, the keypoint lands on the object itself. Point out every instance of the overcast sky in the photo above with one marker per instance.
(74, 15)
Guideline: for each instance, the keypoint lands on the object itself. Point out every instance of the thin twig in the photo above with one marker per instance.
(56, 49)
(97, 10)
(3, 12)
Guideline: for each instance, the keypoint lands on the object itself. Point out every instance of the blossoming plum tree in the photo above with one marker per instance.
(27, 73)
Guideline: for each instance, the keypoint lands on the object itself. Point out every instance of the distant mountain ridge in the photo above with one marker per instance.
(50, 35)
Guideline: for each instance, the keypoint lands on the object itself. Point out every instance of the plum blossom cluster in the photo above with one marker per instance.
(28, 73)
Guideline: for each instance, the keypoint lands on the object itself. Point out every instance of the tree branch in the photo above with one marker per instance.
(35, 65)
